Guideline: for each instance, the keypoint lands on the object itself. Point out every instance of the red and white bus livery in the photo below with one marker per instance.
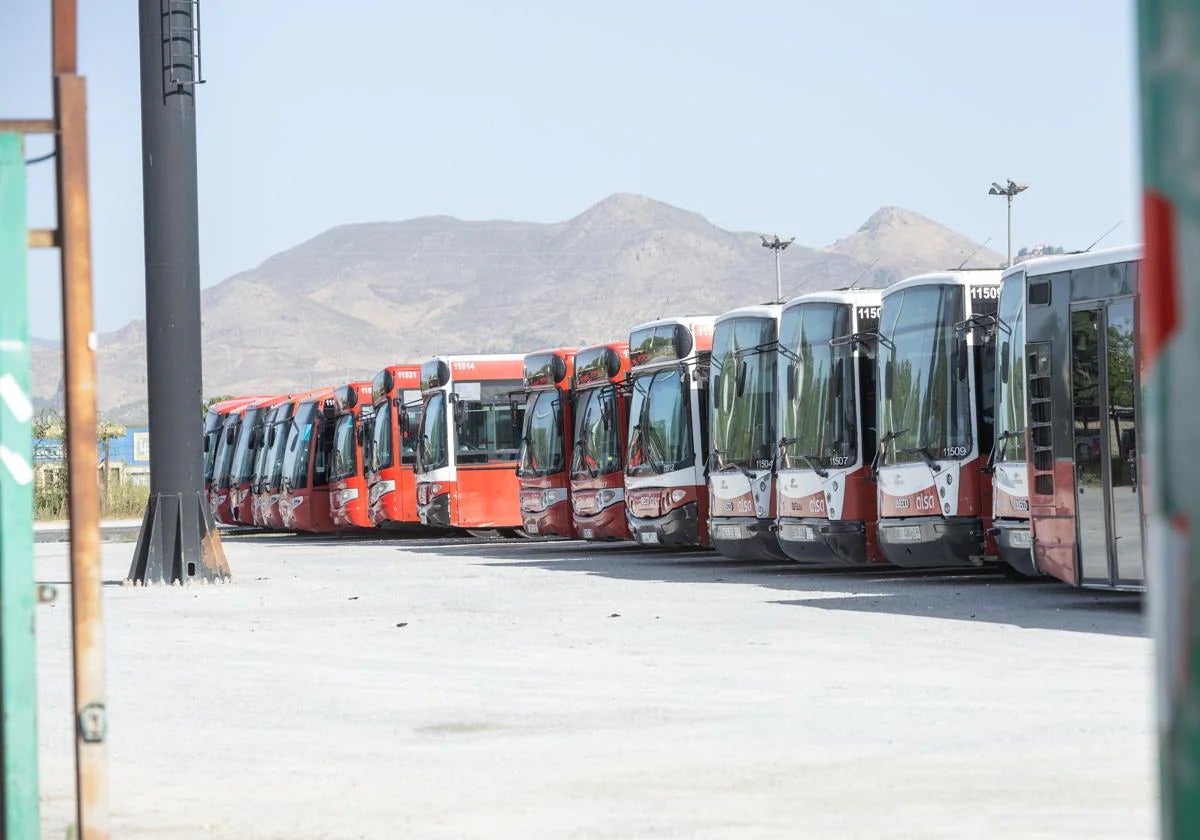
(598, 456)
(665, 493)
(467, 442)
(391, 450)
(546, 444)
(1083, 396)
(741, 463)
(827, 506)
(250, 442)
(352, 421)
(935, 355)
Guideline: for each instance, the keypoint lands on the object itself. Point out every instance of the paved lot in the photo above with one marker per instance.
(561, 690)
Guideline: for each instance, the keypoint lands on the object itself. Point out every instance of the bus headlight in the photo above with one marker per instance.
(678, 496)
(343, 497)
(380, 489)
(553, 496)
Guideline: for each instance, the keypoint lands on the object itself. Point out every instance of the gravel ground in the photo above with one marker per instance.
(443, 688)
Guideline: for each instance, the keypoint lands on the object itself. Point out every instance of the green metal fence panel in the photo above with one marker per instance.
(1169, 67)
(18, 694)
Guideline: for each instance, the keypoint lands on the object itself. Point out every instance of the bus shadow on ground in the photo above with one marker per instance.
(957, 594)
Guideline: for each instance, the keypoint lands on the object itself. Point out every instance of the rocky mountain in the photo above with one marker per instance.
(345, 303)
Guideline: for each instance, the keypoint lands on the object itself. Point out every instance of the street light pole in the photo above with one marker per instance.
(777, 245)
(1009, 190)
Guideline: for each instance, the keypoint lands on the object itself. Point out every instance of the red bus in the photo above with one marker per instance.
(214, 428)
(546, 444)
(352, 418)
(220, 492)
(391, 450)
(934, 362)
(303, 503)
(665, 494)
(268, 463)
(1082, 391)
(598, 457)
(467, 443)
(827, 511)
(245, 456)
(741, 463)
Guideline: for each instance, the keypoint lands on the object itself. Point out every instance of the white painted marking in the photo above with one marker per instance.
(17, 465)
(15, 398)
(12, 345)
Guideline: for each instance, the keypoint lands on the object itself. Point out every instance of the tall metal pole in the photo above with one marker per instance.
(1010, 198)
(79, 361)
(1169, 56)
(178, 540)
(778, 277)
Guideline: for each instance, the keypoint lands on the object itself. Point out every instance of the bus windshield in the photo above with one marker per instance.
(224, 457)
(597, 437)
(660, 431)
(408, 439)
(542, 438)
(274, 463)
(381, 438)
(1010, 393)
(212, 433)
(431, 438)
(484, 422)
(243, 454)
(345, 455)
(743, 392)
(816, 385)
(296, 452)
(923, 369)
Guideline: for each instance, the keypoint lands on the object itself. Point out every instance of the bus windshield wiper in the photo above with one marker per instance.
(1000, 446)
(651, 448)
(814, 461)
(732, 465)
(926, 456)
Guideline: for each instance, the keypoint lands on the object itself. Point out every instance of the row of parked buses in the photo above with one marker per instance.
(959, 418)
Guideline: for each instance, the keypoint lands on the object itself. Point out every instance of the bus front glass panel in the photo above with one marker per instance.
(1010, 407)
(243, 454)
(597, 437)
(487, 431)
(660, 433)
(296, 454)
(542, 443)
(923, 374)
(743, 400)
(819, 422)
(345, 455)
(432, 452)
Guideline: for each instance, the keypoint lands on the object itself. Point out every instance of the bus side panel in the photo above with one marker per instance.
(405, 495)
(488, 497)
(1055, 547)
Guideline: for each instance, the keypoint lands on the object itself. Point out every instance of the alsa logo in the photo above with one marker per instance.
(816, 505)
(463, 365)
(645, 499)
(925, 504)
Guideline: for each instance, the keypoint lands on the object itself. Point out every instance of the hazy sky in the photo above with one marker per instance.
(800, 118)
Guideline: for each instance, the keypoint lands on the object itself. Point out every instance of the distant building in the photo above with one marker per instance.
(129, 454)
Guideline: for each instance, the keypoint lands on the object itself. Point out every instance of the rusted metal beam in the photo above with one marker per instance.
(27, 127)
(43, 238)
(83, 484)
(64, 33)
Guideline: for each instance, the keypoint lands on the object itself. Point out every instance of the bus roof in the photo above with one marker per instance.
(769, 311)
(854, 297)
(956, 277)
(1055, 263)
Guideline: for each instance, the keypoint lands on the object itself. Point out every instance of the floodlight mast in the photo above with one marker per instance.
(778, 246)
(1010, 189)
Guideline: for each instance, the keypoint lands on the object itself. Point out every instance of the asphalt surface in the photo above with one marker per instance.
(450, 688)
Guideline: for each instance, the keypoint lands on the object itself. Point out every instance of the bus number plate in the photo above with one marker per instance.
(908, 533)
(728, 532)
(801, 533)
(647, 537)
(1021, 539)
(588, 533)
(531, 527)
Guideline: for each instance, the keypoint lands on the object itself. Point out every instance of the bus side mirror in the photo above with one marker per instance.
(606, 414)
(791, 380)
(889, 377)
(271, 437)
(741, 376)
(359, 435)
(839, 370)
(460, 412)
(206, 443)
(1004, 363)
(230, 436)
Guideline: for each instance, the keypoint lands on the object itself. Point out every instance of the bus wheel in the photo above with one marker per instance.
(484, 533)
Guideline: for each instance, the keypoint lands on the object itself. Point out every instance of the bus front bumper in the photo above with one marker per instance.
(437, 512)
(924, 542)
(679, 527)
(746, 538)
